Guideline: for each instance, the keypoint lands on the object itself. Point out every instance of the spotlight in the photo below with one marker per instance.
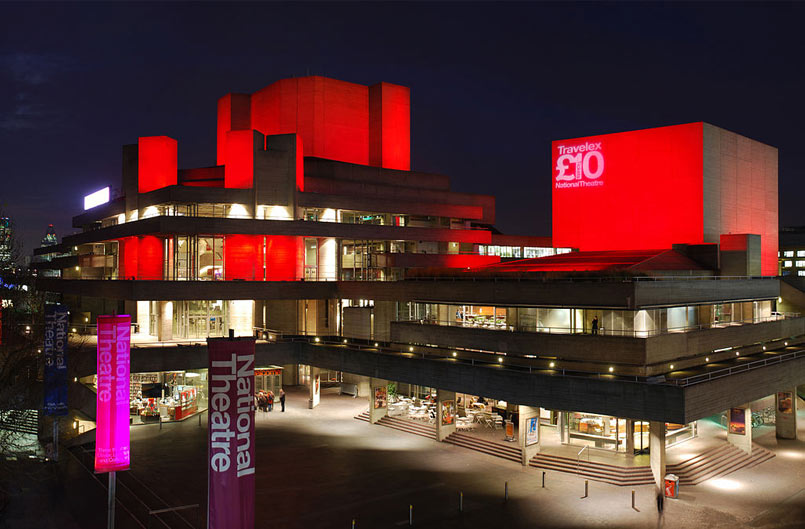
(672, 366)
(551, 364)
(500, 359)
(611, 369)
(455, 353)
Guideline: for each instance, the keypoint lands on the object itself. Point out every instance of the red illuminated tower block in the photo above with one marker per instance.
(649, 189)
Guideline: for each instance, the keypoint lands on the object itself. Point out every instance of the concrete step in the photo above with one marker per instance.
(508, 447)
(424, 430)
(736, 461)
(510, 453)
(595, 471)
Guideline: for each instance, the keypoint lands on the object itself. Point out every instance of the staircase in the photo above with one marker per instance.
(713, 463)
(511, 451)
(717, 462)
(612, 474)
(413, 427)
(20, 421)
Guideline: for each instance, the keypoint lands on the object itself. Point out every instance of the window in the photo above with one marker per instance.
(801, 273)
(786, 264)
(788, 253)
(800, 253)
(800, 264)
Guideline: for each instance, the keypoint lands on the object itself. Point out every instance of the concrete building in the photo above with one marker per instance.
(313, 234)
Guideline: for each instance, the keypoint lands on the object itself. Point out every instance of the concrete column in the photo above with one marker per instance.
(629, 436)
(786, 414)
(144, 317)
(739, 427)
(315, 387)
(446, 412)
(657, 453)
(528, 432)
(165, 321)
(378, 399)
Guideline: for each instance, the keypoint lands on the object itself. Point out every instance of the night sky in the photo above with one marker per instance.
(491, 86)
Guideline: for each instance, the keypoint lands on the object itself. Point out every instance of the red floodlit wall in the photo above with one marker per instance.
(157, 162)
(243, 257)
(285, 258)
(629, 191)
(149, 259)
(127, 258)
(234, 113)
(300, 164)
(390, 126)
(239, 169)
(331, 116)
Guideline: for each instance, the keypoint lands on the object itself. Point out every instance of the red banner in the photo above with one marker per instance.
(231, 433)
(112, 449)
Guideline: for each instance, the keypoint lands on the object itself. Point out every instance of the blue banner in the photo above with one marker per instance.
(55, 351)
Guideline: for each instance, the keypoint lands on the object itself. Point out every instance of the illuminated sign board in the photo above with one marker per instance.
(580, 165)
(96, 199)
(112, 443)
(637, 190)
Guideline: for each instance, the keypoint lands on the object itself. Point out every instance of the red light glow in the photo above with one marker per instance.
(157, 163)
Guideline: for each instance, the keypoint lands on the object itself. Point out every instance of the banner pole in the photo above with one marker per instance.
(56, 438)
(111, 503)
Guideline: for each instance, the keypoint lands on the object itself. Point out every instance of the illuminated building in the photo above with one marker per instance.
(313, 225)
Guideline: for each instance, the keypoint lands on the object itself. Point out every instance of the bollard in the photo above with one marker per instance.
(353, 523)
(506, 492)
(586, 489)
(543, 479)
(199, 419)
(632, 498)
(160, 422)
(410, 515)
(460, 502)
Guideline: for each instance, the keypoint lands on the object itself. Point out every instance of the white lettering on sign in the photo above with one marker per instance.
(579, 165)
(232, 428)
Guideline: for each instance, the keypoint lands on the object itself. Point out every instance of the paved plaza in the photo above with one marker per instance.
(321, 468)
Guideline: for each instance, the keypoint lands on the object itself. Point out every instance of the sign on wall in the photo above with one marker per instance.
(737, 421)
(381, 397)
(785, 402)
(55, 355)
(532, 431)
(579, 164)
(231, 433)
(112, 449)
(448, 412)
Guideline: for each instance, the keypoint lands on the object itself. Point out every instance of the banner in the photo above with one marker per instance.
(112, 422)
(230, 504)
(785, 402)
(55, 353)
(381, 397)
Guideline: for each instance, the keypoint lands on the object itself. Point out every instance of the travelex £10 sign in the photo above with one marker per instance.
(580, 165)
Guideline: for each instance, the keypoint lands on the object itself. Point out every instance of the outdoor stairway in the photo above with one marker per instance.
(717, 462)
(412, 427)
(612, 474)
(505, 451)
(20, 421)
(713, 463)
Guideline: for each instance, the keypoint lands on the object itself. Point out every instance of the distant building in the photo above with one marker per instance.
(6, 258)
(41, 259)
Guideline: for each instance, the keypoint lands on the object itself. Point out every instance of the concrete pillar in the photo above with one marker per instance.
(657, 453)
(315, 387)
(378, 399)
(446, 412)
(165, 321)
(144, 317)
(629, 436)
(327, 266)
(241, 316)
(786, 414)
(739, 427)
(528, 432)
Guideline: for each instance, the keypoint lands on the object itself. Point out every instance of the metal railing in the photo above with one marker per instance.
(727, 371)
(604, 331)
(578, 459)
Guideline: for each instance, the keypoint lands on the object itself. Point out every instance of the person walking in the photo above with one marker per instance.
(270, 400)
(282, 399)
(595, 324)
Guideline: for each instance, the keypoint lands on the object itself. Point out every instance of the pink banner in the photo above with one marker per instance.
(112, 421)
(231, 433)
